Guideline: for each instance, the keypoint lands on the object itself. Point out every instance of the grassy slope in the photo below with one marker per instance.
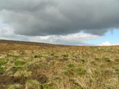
(24, 66)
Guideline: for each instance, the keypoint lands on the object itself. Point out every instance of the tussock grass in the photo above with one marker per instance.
(58, 67)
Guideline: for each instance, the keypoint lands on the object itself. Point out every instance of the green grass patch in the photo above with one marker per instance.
(19, 63)
(117, 72)
(2, 59)
(49, 86)
(83, 60)
(1, 69)
(65, 55)
(71, 66)
(38, 56)
(17, 68)
(107, 59)
(3, 63)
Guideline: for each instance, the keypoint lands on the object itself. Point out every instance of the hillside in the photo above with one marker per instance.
(30, 43)
(30, 65)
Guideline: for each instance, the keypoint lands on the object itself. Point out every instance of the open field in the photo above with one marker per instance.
(47, 66)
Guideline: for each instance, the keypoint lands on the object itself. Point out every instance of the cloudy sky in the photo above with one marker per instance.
(71, 22)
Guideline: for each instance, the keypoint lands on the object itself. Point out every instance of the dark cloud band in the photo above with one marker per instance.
(59, 17)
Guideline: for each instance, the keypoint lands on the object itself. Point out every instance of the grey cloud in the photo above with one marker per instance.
(60, 17)
(7, 33)
(27, 5)
(71, 39)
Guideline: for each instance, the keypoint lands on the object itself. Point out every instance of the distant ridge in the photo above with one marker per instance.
(30, 43)
(45, 44)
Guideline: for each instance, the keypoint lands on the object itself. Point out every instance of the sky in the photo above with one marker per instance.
(68, 22)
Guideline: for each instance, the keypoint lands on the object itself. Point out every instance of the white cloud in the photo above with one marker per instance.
(105, 44)
(108, 44)
(6, 32)
(71, 39)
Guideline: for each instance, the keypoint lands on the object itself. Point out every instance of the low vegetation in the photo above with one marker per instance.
(24, 66)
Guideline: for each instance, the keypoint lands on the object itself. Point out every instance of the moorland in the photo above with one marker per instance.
(30, 65)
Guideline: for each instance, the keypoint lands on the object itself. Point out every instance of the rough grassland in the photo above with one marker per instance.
(24, 66)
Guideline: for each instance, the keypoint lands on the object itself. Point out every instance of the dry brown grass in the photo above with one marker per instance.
(25, 66)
